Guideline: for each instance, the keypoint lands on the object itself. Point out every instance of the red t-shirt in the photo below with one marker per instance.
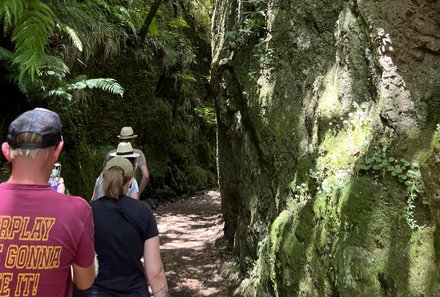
(42, 233)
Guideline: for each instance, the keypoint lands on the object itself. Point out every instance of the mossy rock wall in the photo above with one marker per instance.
(328, 145)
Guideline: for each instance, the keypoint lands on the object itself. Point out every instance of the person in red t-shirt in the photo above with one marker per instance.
(46, 238)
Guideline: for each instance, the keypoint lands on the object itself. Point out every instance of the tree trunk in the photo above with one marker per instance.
(149, 19)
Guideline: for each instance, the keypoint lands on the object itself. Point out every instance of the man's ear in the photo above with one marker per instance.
(58, 149)
(6, 150)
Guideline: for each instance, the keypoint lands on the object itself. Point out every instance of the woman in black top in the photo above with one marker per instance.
(125, 232)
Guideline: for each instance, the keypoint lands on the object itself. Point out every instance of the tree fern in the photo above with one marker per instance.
(30, 35)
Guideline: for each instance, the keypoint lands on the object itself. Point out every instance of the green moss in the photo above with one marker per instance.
(422, 267)
(290, 236)
(329, 102)
(266, 94)
(356, 273)
(250, 287)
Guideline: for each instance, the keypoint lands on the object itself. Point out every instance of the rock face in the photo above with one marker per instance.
(328, 119)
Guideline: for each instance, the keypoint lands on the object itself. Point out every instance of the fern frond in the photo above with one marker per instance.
(125, 17)
(11, 11)
(106, 84)
(54, 66)
(6, 61)
(101, 3)
(61, 92)
(6, 55)
(30, 37)
(78, 86)
(73, 36)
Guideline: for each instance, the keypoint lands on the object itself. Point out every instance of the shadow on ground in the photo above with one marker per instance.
(193, 248)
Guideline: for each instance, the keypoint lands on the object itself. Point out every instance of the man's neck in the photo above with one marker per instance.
(28, 180)
(31, 172)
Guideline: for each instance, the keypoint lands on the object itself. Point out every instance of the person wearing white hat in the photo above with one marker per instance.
(124, 150)
(127, 135)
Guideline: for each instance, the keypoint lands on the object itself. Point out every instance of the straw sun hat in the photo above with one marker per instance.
(124, 150)
(122, 163)
(127, 133)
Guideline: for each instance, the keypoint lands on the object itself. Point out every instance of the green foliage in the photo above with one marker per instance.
(81, 83)
(98, 36)
(207, 114)
(126, 18)
(6, 59)
(253, 23)
(174, 49)
(5, 172)
(6, 55)
(200, 13)
(194, 178)
(10, 12)
(52, 79)
(153, 30)
(54, 67)
(407, 173)
(96, 25)
(105, 84)
(53, 82)
(32, 23)
(179, 23)
(73, 36)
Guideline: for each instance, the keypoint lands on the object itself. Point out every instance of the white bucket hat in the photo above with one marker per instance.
(124, 150)
(127, 133)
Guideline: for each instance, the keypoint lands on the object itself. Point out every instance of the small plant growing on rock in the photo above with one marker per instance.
(408, 173)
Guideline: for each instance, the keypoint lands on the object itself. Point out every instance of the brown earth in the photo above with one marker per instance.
(193, 249)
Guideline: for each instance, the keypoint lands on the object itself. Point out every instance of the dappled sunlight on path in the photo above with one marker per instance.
(192, 245)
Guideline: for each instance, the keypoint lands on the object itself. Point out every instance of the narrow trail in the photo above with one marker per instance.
(192, 246)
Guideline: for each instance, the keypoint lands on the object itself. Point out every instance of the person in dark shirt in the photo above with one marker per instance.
(125, 232)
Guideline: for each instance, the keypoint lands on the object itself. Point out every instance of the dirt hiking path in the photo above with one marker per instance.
(192, 246)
